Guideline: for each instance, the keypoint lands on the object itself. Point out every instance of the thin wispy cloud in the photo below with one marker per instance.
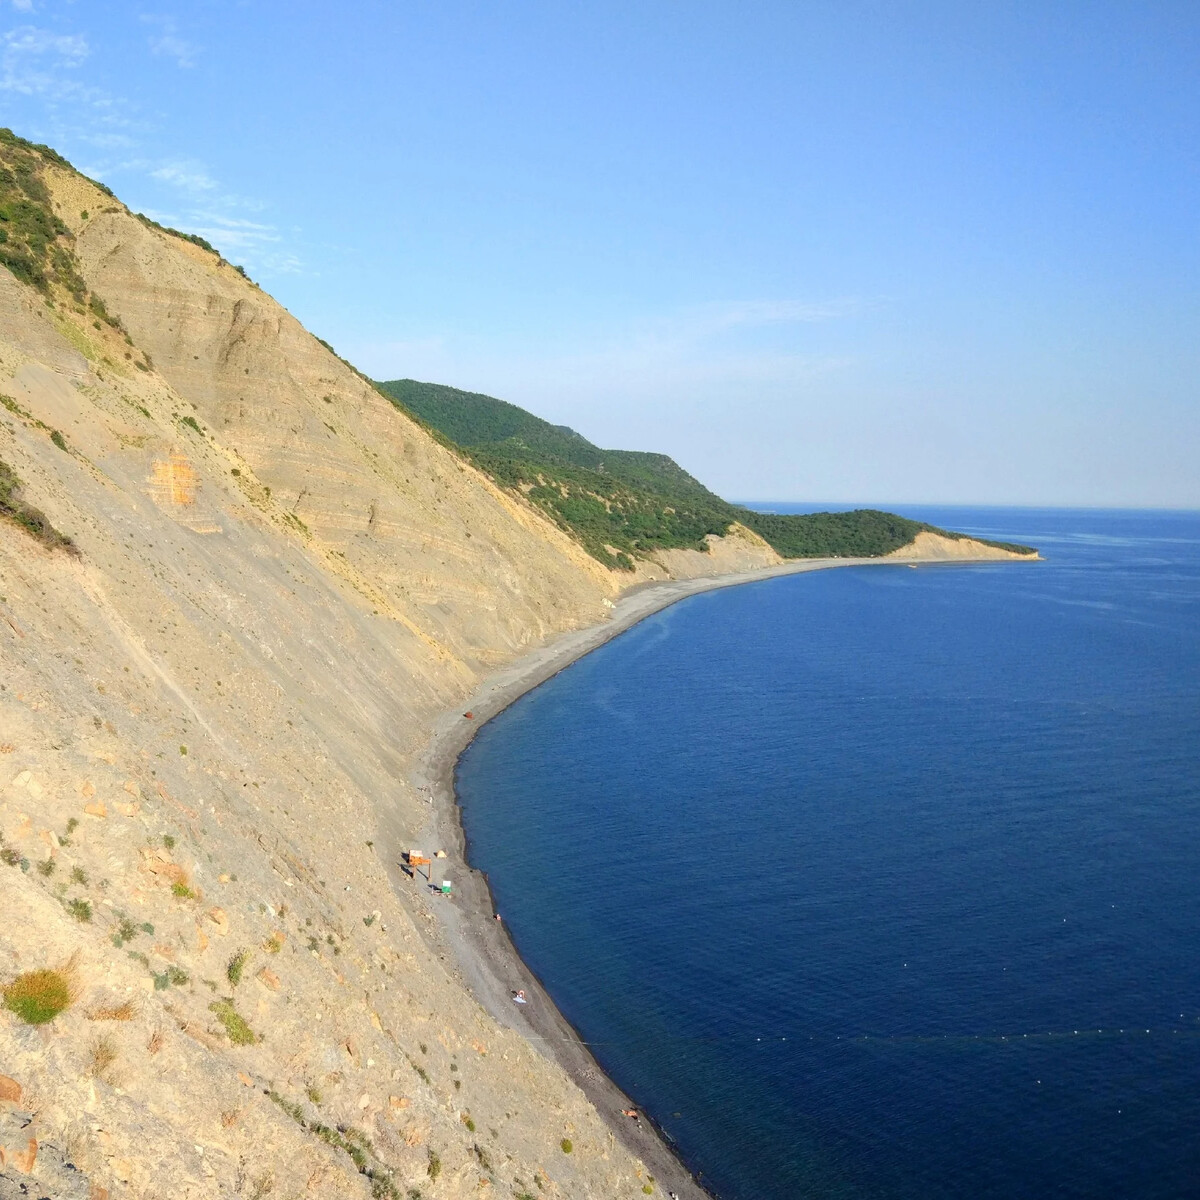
(187, 176)
(696, 326)
(253, 244)
(167, 43)
(216, 214)
(41, 71)
(48, 70)
(696, 353)
(774, 312)
(35, 62)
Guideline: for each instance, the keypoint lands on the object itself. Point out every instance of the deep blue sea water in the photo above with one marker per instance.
(883, 881)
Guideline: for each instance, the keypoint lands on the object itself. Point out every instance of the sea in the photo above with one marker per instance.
(883, 881)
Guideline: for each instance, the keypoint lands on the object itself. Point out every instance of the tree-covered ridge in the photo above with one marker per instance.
(616, 503)
(622, 504)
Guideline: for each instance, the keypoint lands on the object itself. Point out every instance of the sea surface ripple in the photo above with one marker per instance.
(883, 882)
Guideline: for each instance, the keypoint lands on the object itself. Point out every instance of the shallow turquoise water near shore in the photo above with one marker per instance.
(883, 881)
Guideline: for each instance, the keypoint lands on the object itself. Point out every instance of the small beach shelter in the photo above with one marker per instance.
(445, 887)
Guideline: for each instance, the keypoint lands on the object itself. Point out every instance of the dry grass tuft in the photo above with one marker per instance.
(264, 1185)
(155, 1044)
(125, 1011)
(103, 1059)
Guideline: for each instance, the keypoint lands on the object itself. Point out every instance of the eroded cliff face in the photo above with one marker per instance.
(209, 719)
(207, 724)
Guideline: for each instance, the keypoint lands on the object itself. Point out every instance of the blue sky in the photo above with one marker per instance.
(849, 251)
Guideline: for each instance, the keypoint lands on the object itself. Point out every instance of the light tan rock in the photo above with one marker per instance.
(269, 979)
(25, 1160)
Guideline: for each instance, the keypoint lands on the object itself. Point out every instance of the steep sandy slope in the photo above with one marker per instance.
(207, 721)
(932, 547)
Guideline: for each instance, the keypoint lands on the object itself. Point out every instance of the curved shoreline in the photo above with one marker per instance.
(486, 955)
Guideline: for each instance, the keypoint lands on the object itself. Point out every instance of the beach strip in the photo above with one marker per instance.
(486, 955)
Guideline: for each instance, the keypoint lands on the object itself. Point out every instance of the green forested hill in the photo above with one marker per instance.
(622, 504)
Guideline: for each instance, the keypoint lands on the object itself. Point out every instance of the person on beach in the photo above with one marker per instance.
(519, 997)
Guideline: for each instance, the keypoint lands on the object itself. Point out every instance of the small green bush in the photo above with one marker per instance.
(126, 931)
(58, 439)
(566, 1145)
(39, 996)
(81, 910)
(32, 520)
(181, 891)
(236, 966)
(239, 1033)
(435, 1165)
